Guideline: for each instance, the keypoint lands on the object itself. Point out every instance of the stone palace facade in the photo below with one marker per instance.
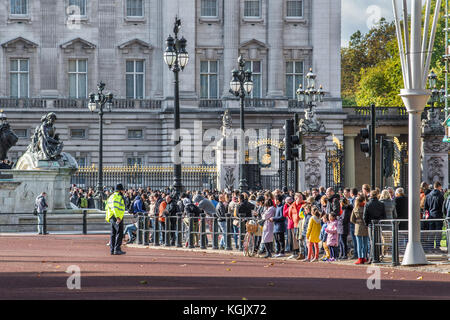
(54, 52)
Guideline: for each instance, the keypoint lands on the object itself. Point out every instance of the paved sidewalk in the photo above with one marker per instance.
(442, 266)
(34, 267)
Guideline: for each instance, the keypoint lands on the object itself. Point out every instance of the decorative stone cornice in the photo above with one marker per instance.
(69, 46)
(11, 45)
(127, 46)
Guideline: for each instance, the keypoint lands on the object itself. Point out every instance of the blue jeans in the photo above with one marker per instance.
(129, 230)
(362, 244)
(223, 230)
(352, 232)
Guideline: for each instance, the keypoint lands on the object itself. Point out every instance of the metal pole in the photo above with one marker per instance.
(44, 229)
(296, 178)
(395, 256)
(177, 165)
(215, 245)
(203, 231)
(84, 222)
(179, 227)
(191, 232)
(100, 159)
(243, 186)
(229, 231)
(156, 231)
(415, 98)
(381, 163)
(372, 146)
(146, 230)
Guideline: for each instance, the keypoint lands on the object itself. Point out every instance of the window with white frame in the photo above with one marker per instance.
(19, 7)
(135, 79)
(135, 8)
(255, 67)
(77, 7)
(252, 8)
(294, 8)
(19, 78)
(209, 8)
(78, 78)
(209, 80)
(294, 77)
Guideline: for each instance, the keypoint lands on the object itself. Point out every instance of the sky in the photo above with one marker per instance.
(363, 14)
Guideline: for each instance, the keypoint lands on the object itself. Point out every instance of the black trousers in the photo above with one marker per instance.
(116, 234)
(279, 239)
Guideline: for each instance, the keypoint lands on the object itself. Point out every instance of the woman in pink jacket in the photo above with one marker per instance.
(332, 236)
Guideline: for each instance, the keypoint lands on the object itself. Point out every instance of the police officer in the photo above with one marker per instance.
(115, 209)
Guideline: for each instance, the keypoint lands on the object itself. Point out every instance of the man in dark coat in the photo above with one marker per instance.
(171, 215)
(244, 211)
(434, 202)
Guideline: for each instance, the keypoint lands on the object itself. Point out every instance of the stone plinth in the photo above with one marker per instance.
(313, 170)
(227, 166)
(434, 159)
(18, 195)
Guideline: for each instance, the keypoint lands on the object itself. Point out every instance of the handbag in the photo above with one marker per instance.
(35, 212)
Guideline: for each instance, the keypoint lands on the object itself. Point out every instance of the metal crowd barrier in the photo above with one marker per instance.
(390, 237)
(191, 232)
(45, 224)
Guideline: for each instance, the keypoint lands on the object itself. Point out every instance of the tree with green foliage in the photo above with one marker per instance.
(371, 69)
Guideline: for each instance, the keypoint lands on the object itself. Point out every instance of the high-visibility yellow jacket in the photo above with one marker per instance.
(115, 206)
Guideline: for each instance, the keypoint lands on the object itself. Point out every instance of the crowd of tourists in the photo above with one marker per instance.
(296, 225)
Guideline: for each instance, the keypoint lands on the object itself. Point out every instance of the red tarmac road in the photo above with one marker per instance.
(33, 267)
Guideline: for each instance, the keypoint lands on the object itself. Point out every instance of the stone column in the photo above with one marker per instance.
(349, 160)
(230, 41)
(313, 170)
(275, 43)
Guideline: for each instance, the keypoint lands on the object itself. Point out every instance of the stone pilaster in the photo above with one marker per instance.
(230, 41)
(349, 160)
(275, 42)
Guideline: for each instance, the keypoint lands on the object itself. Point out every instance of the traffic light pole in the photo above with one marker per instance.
(296, 188)
(372, 146)
(381, 162)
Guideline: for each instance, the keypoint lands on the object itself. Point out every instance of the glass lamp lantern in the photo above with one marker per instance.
(183, 56)
(235, 84)
(300, 93)
(170, 55)
(432, 79)
(311, 78)
(92, 104)
(248, 84)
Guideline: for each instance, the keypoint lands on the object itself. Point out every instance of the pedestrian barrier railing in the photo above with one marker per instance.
(389, 238)
(45, 222)
(180, 230)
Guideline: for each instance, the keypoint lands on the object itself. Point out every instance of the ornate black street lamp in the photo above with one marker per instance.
(437, 96)
(97, 101)
(311, 95)
(241, 85)
(176, 58)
